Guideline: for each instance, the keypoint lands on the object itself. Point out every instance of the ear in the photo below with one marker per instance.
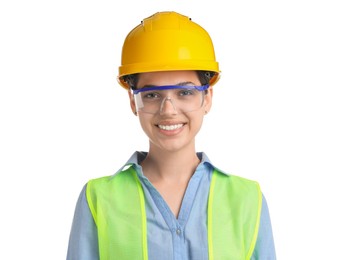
(132, 102)
(208, 99)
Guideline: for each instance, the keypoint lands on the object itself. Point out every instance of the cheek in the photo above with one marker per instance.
(145, 124)
(196, 121)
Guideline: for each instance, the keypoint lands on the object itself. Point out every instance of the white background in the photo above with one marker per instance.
(65, 120)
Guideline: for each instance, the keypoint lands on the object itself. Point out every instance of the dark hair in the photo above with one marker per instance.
(131, 80)
(204, 78)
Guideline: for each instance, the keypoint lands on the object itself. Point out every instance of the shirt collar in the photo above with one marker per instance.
(138, 156)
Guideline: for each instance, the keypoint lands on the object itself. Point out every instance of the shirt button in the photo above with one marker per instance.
(178, 231)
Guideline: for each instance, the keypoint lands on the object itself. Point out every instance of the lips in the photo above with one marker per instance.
(170, 127)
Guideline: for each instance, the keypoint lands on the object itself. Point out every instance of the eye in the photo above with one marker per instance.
(151, 95)
(187, 92)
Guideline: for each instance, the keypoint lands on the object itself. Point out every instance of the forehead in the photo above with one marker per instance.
(167, 78)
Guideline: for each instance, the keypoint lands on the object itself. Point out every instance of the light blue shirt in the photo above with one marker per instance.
(168, 237)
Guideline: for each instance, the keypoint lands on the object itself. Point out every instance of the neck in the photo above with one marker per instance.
(170, 166)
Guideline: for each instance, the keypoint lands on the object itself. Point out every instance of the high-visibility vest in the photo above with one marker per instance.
(117, 204)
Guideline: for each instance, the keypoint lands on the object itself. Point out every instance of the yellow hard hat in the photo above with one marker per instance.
(167, 41)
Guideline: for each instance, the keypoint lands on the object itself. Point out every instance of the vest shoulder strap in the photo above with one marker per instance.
(118, 208)
(234, 209)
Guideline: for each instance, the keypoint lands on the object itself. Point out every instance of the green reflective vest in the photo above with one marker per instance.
(118, 207)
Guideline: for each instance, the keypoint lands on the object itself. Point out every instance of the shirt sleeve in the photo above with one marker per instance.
(264, 248)
(83, 240)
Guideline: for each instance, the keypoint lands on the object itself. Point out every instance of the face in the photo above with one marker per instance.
(167, 129)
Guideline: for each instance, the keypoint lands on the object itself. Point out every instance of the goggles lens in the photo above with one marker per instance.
(181, 99)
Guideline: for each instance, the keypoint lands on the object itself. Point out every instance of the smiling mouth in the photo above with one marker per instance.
(170, 127)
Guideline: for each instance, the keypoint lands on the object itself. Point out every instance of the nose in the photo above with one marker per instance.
(167, 107)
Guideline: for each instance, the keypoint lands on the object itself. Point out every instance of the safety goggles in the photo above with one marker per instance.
(178, 99)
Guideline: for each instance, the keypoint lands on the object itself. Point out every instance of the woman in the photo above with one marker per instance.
(170, 202)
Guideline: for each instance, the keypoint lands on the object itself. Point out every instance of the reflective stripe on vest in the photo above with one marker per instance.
(117, 204)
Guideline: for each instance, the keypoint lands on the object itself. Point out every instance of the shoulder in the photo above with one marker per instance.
(116, 184)
(240, 183)
(244, 194)
(101, 182)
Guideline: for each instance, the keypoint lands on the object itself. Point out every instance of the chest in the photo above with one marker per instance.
(185, 231)
(172, 195)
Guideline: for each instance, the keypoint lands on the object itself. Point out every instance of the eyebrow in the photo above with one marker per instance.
(184, 83)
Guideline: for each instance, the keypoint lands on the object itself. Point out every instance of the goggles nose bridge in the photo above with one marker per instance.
(163, 103)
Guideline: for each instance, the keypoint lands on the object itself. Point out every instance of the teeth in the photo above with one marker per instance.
(170, 127)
